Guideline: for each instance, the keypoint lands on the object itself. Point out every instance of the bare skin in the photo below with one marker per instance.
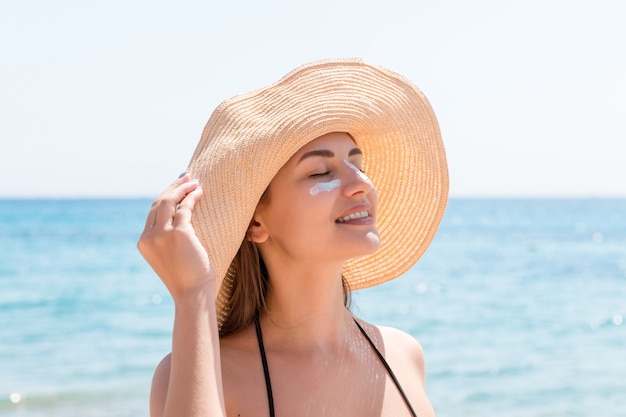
(320, 364)
(192, 385)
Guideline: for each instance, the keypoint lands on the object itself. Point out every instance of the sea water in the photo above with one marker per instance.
(519, 306)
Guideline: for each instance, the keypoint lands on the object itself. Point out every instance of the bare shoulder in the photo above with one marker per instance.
(398, 346)
(405, 356)
(160, 383)
(397, 338)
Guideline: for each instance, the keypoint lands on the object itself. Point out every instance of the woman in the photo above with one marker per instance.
(276, 221)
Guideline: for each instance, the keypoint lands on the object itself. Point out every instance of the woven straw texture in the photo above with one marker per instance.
(248, 138)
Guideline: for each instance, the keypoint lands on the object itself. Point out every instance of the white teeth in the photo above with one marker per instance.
(357, 215)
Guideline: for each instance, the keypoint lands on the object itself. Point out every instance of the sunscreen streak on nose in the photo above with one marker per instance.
(324, 186)
(360, 174)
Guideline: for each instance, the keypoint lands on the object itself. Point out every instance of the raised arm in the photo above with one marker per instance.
(189, 381)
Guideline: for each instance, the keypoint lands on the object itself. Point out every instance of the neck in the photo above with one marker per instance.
(305, 309)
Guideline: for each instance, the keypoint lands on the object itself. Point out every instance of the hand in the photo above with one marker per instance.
(170, 245)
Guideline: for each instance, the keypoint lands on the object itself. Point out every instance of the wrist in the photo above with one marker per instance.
(199, 298)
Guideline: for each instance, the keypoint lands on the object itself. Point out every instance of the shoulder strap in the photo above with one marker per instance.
(388, 368)
(268, 383)
(266, 371)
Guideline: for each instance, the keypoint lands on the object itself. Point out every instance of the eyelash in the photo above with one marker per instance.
(321, 174)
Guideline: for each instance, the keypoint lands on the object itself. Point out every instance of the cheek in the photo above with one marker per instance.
(324, 186)
(307, 213)
(372, 197)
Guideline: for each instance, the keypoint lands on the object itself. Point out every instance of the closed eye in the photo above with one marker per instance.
(320, 174)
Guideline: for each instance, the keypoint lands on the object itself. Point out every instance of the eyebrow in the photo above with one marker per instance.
(325, 153)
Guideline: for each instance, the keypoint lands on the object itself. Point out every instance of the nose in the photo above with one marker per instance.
(356, 181)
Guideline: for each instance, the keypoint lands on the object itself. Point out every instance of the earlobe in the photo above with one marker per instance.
(256, 232)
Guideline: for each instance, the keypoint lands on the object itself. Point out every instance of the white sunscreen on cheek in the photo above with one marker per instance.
(360, 174)
(324, 186)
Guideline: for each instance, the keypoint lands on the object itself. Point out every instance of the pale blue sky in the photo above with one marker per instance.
(108, 98)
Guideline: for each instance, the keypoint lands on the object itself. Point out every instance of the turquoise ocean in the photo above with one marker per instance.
(519, 304)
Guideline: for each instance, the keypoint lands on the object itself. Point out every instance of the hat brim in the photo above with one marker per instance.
(250, 137)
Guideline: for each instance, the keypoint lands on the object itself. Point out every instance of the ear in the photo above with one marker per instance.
(257, 233)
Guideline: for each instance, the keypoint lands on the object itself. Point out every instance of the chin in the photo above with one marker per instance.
(363, 245)
(374, 239)
(371, 244)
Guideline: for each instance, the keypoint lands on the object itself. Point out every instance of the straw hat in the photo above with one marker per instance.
(248, 138)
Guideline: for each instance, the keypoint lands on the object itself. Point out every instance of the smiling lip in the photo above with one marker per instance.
(356, 215)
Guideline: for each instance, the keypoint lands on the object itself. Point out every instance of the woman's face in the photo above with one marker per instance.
(321, 206)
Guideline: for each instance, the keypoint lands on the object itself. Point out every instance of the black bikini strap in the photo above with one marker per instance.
(266, 371)
(268, 383)
(391, 374)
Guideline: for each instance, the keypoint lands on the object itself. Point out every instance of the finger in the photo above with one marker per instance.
(166, 209)
(185, 208)
(152, 214)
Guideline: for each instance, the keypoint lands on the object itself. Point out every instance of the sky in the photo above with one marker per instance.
(108, 99)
